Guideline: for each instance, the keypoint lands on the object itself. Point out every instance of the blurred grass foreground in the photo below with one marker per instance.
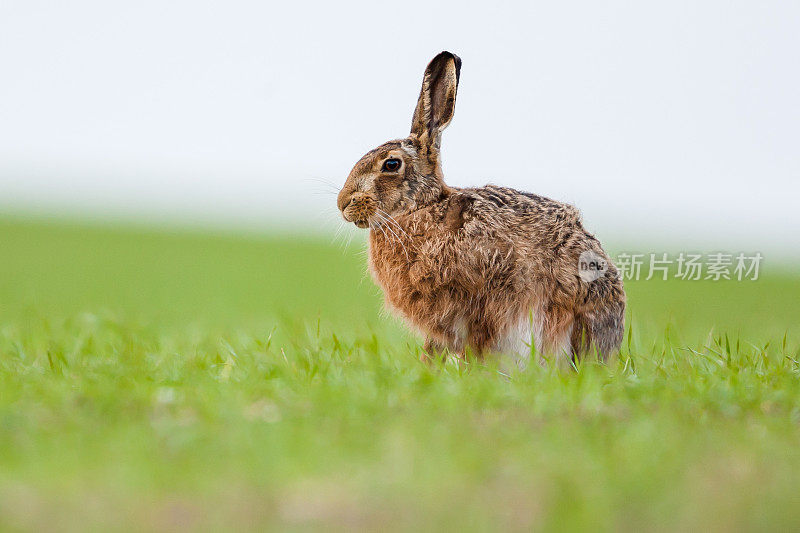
(173, 380)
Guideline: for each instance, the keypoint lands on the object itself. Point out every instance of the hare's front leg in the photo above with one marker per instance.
(432, 350)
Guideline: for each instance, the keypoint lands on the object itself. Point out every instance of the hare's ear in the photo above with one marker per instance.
(437, 99)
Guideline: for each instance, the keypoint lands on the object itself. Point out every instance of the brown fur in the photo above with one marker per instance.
(469, 268)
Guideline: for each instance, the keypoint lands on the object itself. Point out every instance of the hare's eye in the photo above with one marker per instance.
(391, 165)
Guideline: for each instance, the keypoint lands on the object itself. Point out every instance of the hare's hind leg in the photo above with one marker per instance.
(606, 328)
(603, 319)
(599, 331)
(579, 340)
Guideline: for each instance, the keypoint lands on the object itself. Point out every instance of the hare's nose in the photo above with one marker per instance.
(358, 198)
(353, 203)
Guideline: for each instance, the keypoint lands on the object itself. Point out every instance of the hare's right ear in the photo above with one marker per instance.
(437, 99)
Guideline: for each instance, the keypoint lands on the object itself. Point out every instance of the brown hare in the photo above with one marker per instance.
(492, 270)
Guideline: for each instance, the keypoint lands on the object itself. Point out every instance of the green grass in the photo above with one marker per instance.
(155, 380)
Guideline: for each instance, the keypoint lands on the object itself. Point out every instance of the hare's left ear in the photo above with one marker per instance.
(437, 99)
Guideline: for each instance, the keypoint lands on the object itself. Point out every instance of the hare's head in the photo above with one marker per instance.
(403, 175)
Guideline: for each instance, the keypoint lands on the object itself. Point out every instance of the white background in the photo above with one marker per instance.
(671, 122)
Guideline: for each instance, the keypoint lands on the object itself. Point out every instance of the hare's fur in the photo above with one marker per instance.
(488, 269)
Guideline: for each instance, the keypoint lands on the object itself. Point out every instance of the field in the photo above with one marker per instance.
(174, 379)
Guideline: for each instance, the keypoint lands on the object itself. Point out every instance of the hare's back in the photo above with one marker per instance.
(522, 214)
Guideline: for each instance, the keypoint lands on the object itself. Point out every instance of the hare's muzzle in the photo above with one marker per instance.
(359, 209)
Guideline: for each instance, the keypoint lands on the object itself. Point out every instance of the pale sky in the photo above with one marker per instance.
(671, 122)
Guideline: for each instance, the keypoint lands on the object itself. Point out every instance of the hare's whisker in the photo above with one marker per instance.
(323, 181)
(391, 219)
(399, 240)
(380, 227)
